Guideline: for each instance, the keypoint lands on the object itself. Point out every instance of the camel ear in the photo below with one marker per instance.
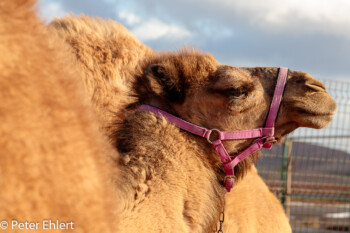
(164, 81)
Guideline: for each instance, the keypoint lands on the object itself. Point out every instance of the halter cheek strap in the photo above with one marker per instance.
(265, 135)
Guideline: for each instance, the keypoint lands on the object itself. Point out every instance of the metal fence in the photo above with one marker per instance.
(310, 171)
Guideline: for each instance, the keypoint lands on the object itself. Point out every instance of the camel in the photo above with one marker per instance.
(51, 163)
(171, 180)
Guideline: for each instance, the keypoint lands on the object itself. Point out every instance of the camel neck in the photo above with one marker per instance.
(159, 162)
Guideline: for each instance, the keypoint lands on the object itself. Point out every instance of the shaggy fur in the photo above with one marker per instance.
(53, 162)
(252, 208)
(107, 55)
(171, 181)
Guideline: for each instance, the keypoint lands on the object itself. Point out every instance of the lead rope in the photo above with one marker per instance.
(221, 222)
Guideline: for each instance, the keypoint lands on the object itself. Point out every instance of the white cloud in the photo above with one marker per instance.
(129, 18)
(148, 28)
(49, 10)
(154, 29)
(326, 16)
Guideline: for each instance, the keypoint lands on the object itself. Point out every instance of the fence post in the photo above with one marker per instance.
(286, 175)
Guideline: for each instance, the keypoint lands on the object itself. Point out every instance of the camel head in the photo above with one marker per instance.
(197, 88)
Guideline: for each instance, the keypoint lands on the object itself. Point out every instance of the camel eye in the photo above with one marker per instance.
(233, 93)
(238, 93)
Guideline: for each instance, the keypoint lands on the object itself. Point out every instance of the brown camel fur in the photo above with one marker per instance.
(171, 181)
(53, 162)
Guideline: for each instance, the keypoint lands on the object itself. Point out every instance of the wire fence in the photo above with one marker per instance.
(310, 171)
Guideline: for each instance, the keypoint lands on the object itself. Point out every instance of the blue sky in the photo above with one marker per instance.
(307, 35)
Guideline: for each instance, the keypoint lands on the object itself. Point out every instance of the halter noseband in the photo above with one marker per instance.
(265, 136)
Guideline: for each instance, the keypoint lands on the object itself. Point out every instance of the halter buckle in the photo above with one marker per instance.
(209, 134)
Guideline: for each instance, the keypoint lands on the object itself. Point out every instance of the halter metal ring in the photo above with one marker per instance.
(210, 131)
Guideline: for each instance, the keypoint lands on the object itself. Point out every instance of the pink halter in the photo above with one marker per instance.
(265, 136)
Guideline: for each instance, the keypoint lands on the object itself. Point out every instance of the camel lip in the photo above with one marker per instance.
(305, 112)
(315, 114)
(321, 115)
(318, 122)
(317, 86)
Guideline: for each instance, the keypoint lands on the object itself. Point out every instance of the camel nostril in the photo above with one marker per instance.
(316, 85)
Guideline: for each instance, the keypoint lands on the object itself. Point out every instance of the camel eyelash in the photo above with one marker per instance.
(235, 92)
